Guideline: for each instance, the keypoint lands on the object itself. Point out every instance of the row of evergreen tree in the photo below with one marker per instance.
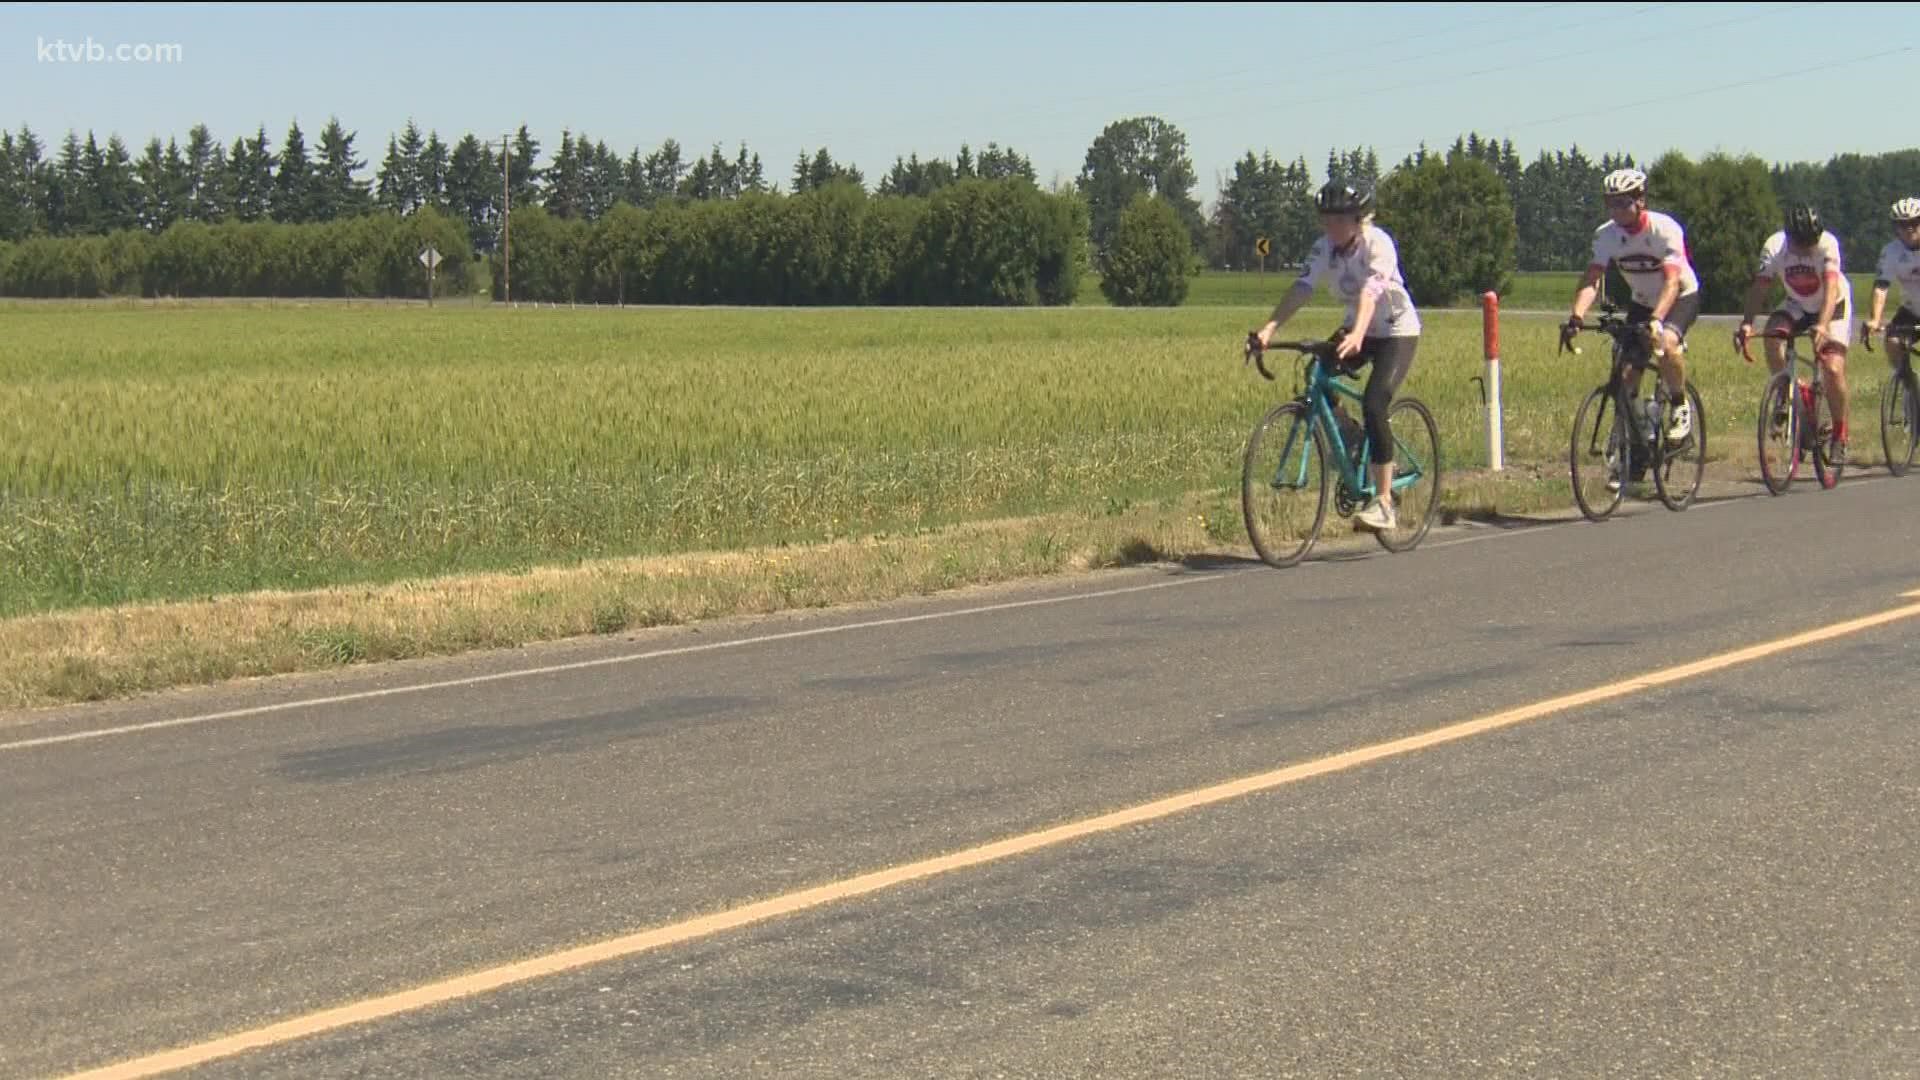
(1556, 200)
(973, 242)
(86, 188)
(1548, 208)
(89, 189)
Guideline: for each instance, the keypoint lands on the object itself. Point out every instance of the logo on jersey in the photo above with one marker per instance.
(1802, 279)
(1639, 263)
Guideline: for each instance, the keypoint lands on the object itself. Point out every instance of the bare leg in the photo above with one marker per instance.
(1673, 364)
(1833, 364)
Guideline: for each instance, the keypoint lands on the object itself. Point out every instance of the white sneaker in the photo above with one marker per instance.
(1680, 422)
(1375, 516)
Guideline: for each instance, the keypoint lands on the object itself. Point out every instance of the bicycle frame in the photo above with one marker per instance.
(1625, 364)
(1624, 382)
(1791, 366)
(1321, 389)
(1793, 361)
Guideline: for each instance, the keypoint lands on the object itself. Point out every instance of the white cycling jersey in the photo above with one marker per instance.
(1372, 262)
(1805, 273)
(1644, 255)
(1899, 264)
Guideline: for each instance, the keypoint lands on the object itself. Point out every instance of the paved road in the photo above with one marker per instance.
(1715, 876)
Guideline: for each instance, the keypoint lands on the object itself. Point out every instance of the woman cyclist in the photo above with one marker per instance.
(1359, 262)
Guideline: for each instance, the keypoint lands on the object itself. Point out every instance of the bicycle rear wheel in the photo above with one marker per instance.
(1781, 419)
(1598, 455)
(1416, 474)
(1283, 485)
(1679, 467)
(1900, 420)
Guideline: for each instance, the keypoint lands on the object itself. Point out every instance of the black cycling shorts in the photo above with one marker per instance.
(1679, 319)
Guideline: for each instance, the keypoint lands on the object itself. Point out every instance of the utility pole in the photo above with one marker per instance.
(506, 215)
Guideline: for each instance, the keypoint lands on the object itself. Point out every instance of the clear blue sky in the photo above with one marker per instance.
(1788, 81)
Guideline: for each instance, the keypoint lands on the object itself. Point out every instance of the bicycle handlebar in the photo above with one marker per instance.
(1777, 335)
(1325, 351)
(1866, 335)
(1611, 323)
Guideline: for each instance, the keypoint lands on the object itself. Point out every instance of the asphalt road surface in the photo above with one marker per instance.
(1695, 871)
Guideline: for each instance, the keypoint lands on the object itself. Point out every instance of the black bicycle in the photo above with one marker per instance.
(1619, 435)
(1899, 403)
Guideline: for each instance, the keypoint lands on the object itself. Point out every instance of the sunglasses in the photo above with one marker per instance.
(1621, 202)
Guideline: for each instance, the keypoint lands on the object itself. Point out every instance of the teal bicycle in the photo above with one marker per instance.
(1299, 444)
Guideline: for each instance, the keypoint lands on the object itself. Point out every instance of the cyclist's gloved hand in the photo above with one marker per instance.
(1569, 330)
(1740, 338)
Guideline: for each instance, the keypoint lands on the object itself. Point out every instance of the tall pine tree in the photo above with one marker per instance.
(206, 176)
(337, 192)
(473, 190)
(292, 196)
(433, 172)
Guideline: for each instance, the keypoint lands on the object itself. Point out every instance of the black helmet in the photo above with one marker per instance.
(1803, 225)
(1345, 198)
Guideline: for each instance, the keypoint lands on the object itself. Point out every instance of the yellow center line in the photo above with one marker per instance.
(371, 1009)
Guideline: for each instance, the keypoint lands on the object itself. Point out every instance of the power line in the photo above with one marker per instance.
(1665, 98)
(1747, 17)
(1584, 50)
(1266, 69)
(1506, 13)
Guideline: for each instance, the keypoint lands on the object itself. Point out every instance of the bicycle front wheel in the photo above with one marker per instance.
(1416, 475)
(1598, 456)
(1900, 420)
(1680, 466)
(1781, 419)
(1283, 485)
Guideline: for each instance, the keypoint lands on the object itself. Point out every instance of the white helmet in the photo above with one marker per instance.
(1906, 210)
(1626, 182)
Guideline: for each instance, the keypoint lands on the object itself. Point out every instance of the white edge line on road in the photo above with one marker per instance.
(605, 661)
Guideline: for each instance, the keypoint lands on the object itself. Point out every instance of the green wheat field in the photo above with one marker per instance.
(157, 452)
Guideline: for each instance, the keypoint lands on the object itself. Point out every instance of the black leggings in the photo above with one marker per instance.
(1391, 357)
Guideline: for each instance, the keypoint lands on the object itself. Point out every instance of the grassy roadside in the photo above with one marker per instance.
(99, 654)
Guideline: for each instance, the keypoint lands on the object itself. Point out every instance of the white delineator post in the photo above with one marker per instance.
(1490, 338)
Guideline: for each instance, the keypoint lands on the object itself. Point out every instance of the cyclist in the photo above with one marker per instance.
(1650, 248)
(1361, 265)
(1899, 261)
(1805, 258)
